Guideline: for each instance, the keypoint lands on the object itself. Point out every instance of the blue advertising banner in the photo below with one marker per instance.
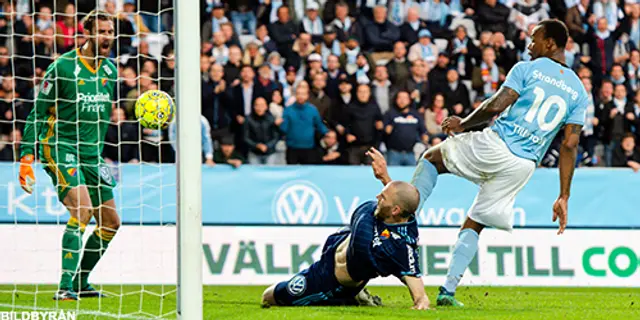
(146, 194)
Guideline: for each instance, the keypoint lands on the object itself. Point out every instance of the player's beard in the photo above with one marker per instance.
(382, 213)
(103, 47)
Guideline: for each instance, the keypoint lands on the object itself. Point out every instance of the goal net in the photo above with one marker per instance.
(138, 274)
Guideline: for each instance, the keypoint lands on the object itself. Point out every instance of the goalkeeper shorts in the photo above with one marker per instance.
(66, 172)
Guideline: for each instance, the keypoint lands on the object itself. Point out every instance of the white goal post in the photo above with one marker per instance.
(189, 164)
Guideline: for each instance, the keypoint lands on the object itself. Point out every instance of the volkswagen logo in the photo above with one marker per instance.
(297, 285)
(299, 202)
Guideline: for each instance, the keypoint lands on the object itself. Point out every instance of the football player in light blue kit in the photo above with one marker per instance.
(537, 99)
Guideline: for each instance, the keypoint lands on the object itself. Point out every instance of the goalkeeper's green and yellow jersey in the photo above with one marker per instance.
(73, 107)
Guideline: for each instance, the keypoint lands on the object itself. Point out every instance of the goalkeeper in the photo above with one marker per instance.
(69, 122)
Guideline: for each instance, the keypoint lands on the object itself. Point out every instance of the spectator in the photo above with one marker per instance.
(211, 26)
(244, 94)
(220, 51)
(362, 72)
(576, 21)
(242, 15)
(45, 50)
(121, 142)
(626, 155)
(399, 11)
(67, 29)
(409, 29)
(261, 134)
(601, 45)
(267, 45)
(216, 103)
(167, 72)
(130, 13)
(633, 71)
(435, 14)
(301, 122)
(276, 107)
(345, 25)
(284, 32)
(288, 87)
(318, 97)
(424, 49)
(128, 83)
(278, 74)
(45, 18)
(492, 16)
(403, 128)
(338, 109)
(228, 154)
(622, 49)
(572, 55)
(399, 68)
(434, 116)
(329, 45)
(349, 57)
(488, 76)
(617, 77)
(632, 25)
(456, 95)
(438, 74)
(302, 50)
(526, 12)
(229, 34)
(613, 121)
(418, 86)
(383, 91)
(333, 77)
(589, 136)
(608, 10)
(314, 66)
(506, 55)
(311, 23)
(10, 146)
(380, 35)
(632, 115)
(233, 66)
(264, 84)
(331, 150)
(362, 122)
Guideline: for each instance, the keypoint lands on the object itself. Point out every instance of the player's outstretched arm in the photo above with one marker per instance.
(416, 288)
(484, 113)
(379, 166)
(568, 153)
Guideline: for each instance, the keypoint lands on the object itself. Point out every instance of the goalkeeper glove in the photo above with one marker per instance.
(27, 178)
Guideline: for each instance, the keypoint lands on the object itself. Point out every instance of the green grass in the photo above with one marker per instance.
(242, 302)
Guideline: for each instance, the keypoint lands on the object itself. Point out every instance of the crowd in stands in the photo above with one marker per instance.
(321, 81)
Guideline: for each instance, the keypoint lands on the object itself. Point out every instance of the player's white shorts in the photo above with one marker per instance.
(484, 158)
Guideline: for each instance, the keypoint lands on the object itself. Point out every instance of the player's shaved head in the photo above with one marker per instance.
(406, 196)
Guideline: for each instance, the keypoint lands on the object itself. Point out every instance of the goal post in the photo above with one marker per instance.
(189, 164)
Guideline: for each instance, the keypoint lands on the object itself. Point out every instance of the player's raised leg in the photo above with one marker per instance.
(78, 202)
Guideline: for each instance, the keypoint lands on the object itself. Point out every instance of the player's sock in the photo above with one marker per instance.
(424, 178)
(464, 251)
(71, 246)
(94, 249)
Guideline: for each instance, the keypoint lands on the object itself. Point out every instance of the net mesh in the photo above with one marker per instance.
(137, 272)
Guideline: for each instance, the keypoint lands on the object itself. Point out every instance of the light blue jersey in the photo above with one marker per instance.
(551, 96)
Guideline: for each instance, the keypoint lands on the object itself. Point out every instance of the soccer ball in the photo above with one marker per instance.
(155, 109)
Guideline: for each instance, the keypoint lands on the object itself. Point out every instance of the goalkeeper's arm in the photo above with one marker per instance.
(44, 101)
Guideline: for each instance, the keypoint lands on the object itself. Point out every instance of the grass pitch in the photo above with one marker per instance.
(242, 302)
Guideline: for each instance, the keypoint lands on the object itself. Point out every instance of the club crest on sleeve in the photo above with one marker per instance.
(297, 285)
(46, 86)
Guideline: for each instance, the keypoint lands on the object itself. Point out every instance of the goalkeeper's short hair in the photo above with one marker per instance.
(89, 21)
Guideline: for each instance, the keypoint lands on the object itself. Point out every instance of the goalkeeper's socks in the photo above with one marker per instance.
(71, 246)
(424, 179)
(93, 250)
(464, 251)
